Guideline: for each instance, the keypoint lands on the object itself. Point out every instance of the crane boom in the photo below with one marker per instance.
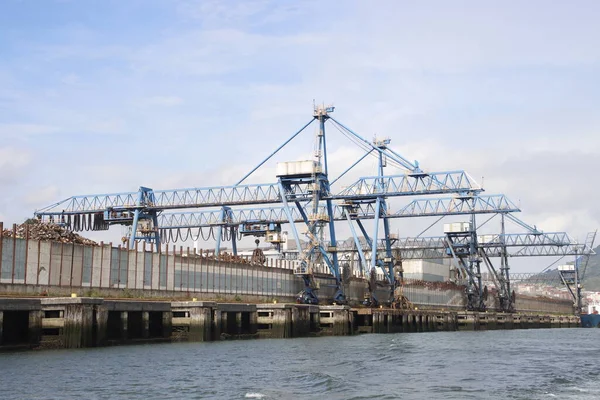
(460, 205)
(266, 193)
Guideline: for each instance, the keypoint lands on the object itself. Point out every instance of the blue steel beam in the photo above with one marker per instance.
(168, 199)
(492, 240)
(363, 189)
(526, 277)
(410, 185)
(532, 251)
(483, 204)
(517, 244)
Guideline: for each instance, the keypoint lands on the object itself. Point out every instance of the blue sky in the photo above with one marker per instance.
(105, 96)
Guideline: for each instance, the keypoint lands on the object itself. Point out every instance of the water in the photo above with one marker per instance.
(514, 364)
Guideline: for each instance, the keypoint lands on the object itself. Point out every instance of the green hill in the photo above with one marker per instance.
(591, 279)
(591, 275)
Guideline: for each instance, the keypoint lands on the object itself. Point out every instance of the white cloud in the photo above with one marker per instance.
(57, 52)
(105, 126)
(165, 101)
(251, 12)
(13, 163)
(218, 52)
(19, 130)
(71, 79)
(43, 196)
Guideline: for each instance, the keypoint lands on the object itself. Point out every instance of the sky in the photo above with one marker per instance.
(106, 96)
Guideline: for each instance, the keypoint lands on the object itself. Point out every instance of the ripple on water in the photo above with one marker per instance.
(254, 395)
(449, 365)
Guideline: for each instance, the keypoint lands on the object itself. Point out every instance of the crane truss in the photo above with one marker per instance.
(483, 204)
(310, 200)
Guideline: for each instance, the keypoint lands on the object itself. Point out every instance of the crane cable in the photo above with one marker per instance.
(364, 147)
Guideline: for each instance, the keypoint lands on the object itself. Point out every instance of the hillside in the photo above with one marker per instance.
(591, 280)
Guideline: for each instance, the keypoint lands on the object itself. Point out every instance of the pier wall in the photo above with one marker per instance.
(541, 304)
(70, 322)
(32, 267)
(61, 265)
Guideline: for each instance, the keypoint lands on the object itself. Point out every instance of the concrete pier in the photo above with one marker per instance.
(306, 320)
(192, 320)
(20, 323)
(275, 320)
(336, 320)
(69, 322)
(384, 320)
(134, 321)
(293, 320)
(56, 269)
(235, 321)
(89, 322)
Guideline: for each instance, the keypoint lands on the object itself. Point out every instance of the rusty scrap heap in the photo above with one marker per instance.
(46, 232)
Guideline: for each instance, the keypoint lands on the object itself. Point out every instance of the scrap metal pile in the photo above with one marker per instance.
(229, 257)
(446, 285)
(36, 230)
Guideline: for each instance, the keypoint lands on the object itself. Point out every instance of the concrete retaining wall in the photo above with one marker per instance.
(91, 322)
(63, 265)
(31, 267)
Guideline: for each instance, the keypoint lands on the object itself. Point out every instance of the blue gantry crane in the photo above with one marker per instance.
(267, 221)
(301, 186)
(468, 250)
(259, 221)
(572, 275)
(303, 194)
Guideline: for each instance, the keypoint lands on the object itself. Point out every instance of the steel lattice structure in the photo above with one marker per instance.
(483, 204)
(308, 199)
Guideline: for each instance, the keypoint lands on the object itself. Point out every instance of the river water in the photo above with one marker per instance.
(512, 364)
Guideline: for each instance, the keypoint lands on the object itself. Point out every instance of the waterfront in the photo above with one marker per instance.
(513, 364)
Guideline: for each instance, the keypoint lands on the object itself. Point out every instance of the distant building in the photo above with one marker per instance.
(426, 270)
